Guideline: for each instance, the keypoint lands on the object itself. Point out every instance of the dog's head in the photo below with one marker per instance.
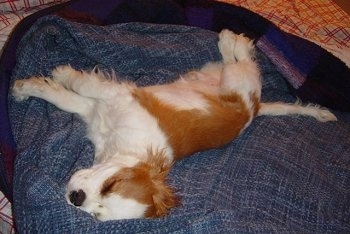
(113, 190)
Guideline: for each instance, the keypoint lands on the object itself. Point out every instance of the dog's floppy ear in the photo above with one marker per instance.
(163, 201)
(146, 183)
(163, 196)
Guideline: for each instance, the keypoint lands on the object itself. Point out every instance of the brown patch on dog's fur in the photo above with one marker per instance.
(190, 131)
(146, 183)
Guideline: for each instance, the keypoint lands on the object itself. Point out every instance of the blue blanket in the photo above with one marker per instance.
(282, 174)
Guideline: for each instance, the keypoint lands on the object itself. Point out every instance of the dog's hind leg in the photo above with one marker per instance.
(53, 92)
(240, 74)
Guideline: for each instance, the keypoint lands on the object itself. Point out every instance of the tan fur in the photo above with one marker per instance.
(190, 131)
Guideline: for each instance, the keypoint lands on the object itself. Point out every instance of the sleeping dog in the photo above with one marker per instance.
(138, 132)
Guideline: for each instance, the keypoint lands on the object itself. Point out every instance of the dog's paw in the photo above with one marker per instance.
(23, 89)
(235, 47)
(19, 90)
(244, 48)
(226, 44)
(61, 74)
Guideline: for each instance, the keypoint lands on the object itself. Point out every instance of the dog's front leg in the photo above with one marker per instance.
(53, 92)
(93, 84)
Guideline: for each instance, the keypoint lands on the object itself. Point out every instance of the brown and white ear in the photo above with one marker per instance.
(164, 196)
(163, 201)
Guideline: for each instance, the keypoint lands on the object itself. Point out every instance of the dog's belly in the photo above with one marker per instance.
(187, 92)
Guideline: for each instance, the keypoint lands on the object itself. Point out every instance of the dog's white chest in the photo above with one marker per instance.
(124, 129)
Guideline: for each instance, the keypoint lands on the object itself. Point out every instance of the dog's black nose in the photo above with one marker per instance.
(77, 197)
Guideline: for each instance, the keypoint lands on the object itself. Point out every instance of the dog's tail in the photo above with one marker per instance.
(278, 108)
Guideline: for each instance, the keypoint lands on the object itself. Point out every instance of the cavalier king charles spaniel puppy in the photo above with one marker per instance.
(139, 132)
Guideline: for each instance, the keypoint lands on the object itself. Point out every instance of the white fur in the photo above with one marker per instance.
(123, 131)
(90, 181)
(126, 208)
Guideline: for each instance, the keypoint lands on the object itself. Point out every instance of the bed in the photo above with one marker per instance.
(283, 174)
